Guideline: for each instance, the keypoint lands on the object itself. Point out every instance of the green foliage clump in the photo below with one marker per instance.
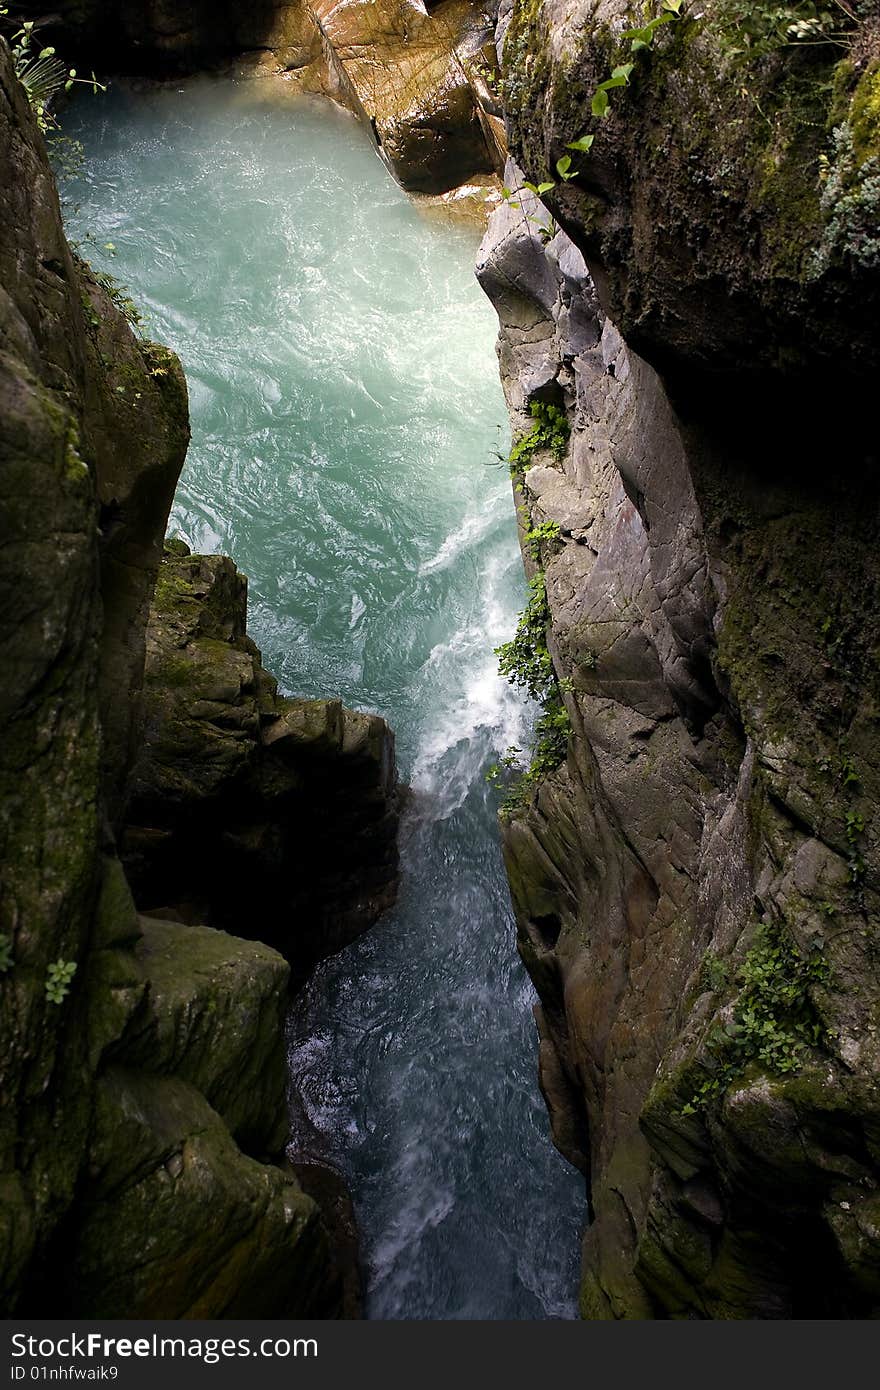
(714, 972)
(6, 960)
(774, 1020)
(525, 660)
(112, 287)
(754, 28)
(855, 829)
(551, 741)
(60, 974)
(120, 296)
(527, 663)
(42, 73)
(551, 431)
(535, 537)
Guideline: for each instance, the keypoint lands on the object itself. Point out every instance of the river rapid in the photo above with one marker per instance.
(347, 421)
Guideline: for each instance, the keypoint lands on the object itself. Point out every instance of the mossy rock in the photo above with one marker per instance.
(175, 1222)
(213, 1016)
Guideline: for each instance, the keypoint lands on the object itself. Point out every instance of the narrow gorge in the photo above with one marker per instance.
(258, 978)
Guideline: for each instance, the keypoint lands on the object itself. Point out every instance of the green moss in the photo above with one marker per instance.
(788, 193)
(76, 469)
(524, 60)
(177, 673)
(864, 114)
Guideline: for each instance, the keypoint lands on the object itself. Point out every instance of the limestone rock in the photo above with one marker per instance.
(407, 70)
(414, 74)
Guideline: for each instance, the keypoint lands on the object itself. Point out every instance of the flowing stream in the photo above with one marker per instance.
(346, 415)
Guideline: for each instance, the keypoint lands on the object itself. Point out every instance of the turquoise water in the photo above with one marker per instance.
(346, 412)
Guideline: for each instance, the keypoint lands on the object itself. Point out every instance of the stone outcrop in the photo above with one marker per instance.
(417, 78)
(246, 808)
(696, 885)
(724, 224)
(414, 74)
(143, 1071)
(176, 1216)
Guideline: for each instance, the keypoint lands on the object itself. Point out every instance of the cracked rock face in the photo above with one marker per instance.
(712, 595)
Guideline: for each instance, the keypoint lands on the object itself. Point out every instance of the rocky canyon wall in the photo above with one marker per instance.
(696, 884)
(143, 1076)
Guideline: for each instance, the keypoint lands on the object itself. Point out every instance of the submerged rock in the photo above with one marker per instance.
(274, 816)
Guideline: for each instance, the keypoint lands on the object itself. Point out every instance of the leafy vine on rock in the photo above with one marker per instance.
(774, 1021)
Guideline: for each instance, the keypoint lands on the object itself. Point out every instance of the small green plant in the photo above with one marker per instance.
(536, 537)
(525, 660)
(642, 36)
(774, 1021)
(564, 169)
(546, 230)
(619, 78)
(6, 960)
(551, 741)
(117, 292)
(551, 431)
(119, 295)
(832, 636)
(527, 663)
(58, 979)
(42, 73)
